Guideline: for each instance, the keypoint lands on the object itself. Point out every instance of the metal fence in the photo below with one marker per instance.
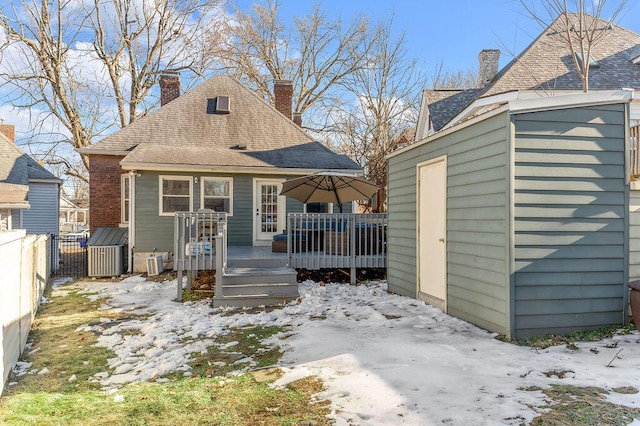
(199, 245)
(337, 240)
(68, 256)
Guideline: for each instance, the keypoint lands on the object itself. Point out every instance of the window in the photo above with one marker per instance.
(217, 194)
(125, 182)
(175, 194)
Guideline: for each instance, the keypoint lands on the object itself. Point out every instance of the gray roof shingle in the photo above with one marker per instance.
(182, 133)
(16, 168)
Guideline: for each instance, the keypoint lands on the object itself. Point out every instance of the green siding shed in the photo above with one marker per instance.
(536, 237)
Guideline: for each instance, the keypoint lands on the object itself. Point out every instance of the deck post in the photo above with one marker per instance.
(219, 265)
(179, 286)
(352, 249)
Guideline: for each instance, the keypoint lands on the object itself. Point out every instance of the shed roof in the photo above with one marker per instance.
(108, 236)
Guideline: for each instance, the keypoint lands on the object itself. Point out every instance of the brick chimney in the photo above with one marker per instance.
(488, 59)
(283, 94)
(169, 87)
(9, 130)
(297, 118)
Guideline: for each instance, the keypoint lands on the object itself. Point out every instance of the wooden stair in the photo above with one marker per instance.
(257, 282)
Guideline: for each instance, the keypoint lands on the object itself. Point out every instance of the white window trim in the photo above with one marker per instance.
(160, 194)
(225, 178)
(124, 195)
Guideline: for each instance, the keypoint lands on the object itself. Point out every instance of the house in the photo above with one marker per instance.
(545, 68)
(72, 216)
(218, 147)
(29, 193)
(517, 220)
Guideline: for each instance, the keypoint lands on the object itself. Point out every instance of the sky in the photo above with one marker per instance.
(450, 32)
(384, 359)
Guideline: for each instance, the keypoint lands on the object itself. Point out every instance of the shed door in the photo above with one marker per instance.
(432, 230)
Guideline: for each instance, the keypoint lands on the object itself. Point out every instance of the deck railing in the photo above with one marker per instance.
(634, 144)
(199, 244)
(337, 240)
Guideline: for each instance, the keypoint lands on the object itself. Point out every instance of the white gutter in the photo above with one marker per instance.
(229, 169)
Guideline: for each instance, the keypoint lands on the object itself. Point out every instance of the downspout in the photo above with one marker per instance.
(132, 222)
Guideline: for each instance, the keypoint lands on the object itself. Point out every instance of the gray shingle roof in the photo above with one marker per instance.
(16, 168)
(446, 104)
(546, 66)
(182, 133)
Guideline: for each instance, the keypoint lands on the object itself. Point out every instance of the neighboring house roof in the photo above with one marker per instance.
(446, 104)
(16, 170)
(546, 66)
(252, 134)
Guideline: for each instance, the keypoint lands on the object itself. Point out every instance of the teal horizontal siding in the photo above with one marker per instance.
(570, 230)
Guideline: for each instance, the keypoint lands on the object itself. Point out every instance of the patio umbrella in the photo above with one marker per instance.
(329, 187)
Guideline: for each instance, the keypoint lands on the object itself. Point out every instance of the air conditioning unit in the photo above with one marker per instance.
(105, 261)
(154, 265)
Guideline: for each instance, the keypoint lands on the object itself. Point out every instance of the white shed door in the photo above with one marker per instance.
(432, 231)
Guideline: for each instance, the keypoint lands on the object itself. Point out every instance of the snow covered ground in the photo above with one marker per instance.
(385, 359)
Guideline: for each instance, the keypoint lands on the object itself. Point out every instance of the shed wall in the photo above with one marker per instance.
(571, 200)
(634, 232)
(43, 215)
(477, 221)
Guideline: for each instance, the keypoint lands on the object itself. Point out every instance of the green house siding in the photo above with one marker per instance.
(155, 231)
(477, 221)
(570, 211)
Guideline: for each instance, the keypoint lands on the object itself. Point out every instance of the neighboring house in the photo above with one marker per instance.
(29, 193)
(544, 68)
(72, 216)
(219, 147)
(517, 220)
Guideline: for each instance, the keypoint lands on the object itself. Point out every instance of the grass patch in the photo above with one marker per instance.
(240, 343)
(570, 339)
(572, 405)
(57, 346)
(51, 399)
(237, 401)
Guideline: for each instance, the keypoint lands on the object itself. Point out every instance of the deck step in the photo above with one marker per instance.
(234, 276)
(250, 301)
(266, 262)
(270, 290)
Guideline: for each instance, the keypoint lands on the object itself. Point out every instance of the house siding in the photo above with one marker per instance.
(104, 191)
(571, 203)
(477, 221)
(42, 217)
(156, 232)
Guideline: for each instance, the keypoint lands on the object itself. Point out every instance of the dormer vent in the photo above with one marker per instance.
(223, 104)
(218, 105)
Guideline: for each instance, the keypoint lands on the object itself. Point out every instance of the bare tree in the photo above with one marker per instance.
(317, 54)
(85, 68)
(453, 79)
(386, 96)
(581, 24)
